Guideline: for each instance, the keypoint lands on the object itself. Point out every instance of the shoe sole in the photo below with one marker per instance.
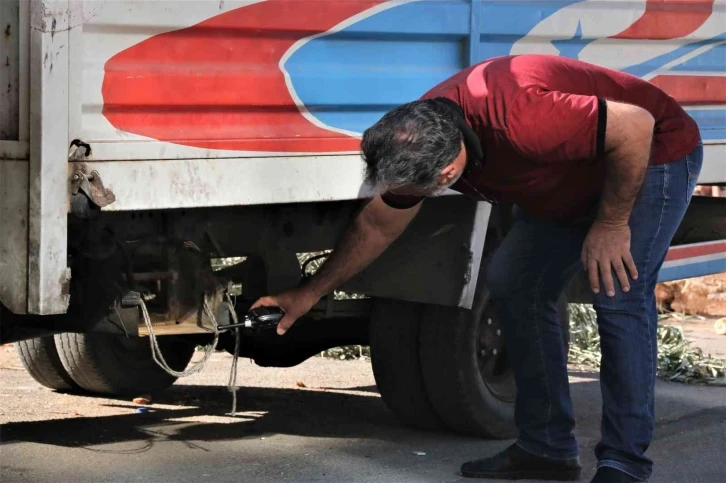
(571, 475)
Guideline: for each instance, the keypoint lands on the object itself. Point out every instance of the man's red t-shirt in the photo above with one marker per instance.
(541, 122)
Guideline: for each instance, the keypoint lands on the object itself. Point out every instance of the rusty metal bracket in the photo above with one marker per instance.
(92, 186)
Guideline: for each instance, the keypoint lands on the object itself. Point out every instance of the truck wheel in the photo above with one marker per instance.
(116, 365)
(40, 358)
(394, 341)
(466, 370)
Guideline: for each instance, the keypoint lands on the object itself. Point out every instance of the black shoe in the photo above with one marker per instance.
(514, 463)
(606, 474)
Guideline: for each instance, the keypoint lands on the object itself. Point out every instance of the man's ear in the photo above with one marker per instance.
(448, 174)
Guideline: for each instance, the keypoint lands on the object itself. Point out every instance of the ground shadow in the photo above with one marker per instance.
(262, 411)
(200, 413)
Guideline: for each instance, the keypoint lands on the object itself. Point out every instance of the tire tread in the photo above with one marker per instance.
(40, 358)
(97, 366)
(451, 391)
(394, 334)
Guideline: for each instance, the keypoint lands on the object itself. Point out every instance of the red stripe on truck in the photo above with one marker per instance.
(218, 84)
(668, 19)
(695, 250)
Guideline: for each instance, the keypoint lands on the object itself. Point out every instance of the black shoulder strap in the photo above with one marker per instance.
(472, 142)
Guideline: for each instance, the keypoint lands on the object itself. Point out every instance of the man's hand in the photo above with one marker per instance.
(295, 303)
(607, 249)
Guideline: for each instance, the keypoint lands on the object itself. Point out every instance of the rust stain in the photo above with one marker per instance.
(65, 286)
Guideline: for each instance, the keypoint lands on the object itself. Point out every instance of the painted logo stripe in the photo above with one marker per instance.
(697, 250)
(691, 270)
(695, 260)
(693, 89)
(219, 85)
(668, 19)
(706, 258)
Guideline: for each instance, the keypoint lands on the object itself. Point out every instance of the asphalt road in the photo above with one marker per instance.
(335, 429)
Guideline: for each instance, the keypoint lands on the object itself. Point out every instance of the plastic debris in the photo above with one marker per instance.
(142, 410)
(300, 384)
(419, 453)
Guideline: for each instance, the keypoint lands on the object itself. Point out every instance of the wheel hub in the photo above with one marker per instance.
(494, 365)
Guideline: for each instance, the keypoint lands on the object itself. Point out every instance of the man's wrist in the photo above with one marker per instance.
(612, 218)
(610, 223)
(311, 292)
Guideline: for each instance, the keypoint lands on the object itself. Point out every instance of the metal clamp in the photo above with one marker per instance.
(92, 186)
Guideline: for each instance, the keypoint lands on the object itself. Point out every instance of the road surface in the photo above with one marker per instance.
(334, 429)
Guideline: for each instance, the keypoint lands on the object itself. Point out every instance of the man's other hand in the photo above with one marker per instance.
(607, 249)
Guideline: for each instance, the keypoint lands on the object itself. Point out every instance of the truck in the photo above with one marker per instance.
(164, 163)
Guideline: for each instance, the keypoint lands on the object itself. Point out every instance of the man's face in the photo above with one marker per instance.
(448, 176)
(448, 183)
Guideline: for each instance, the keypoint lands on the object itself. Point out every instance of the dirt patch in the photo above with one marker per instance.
(696, 296)
(701, 332)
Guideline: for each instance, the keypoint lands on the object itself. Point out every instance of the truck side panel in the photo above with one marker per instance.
(200, 104)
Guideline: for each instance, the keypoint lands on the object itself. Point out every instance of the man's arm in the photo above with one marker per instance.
(372, 231)
(584, 127)
(628, 137)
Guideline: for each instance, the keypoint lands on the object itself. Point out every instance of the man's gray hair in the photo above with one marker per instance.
(410, 146)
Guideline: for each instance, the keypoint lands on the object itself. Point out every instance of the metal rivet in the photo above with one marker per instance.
(489, 321)
(494, 351)
(483, 352)
(499, 332)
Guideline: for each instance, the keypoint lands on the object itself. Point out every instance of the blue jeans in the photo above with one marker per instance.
(526, 276)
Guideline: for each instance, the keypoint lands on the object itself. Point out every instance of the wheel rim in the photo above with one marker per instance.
(491, 353)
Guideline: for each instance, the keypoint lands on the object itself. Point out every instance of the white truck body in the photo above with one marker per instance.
(193, 104)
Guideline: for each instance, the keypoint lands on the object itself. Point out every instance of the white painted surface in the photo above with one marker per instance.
(143, 185)
(714, 164)
(478, 238)
(48, 180)
(14, 234)
(9, 69)
(14, 154)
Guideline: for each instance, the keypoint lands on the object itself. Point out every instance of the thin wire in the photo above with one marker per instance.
(191, 245)
(120, 318)
(312, 259)
(232, 382)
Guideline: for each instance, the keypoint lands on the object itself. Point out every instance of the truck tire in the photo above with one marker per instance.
(40, 358)
(116, 365)
(394, 342)
(466, 371)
